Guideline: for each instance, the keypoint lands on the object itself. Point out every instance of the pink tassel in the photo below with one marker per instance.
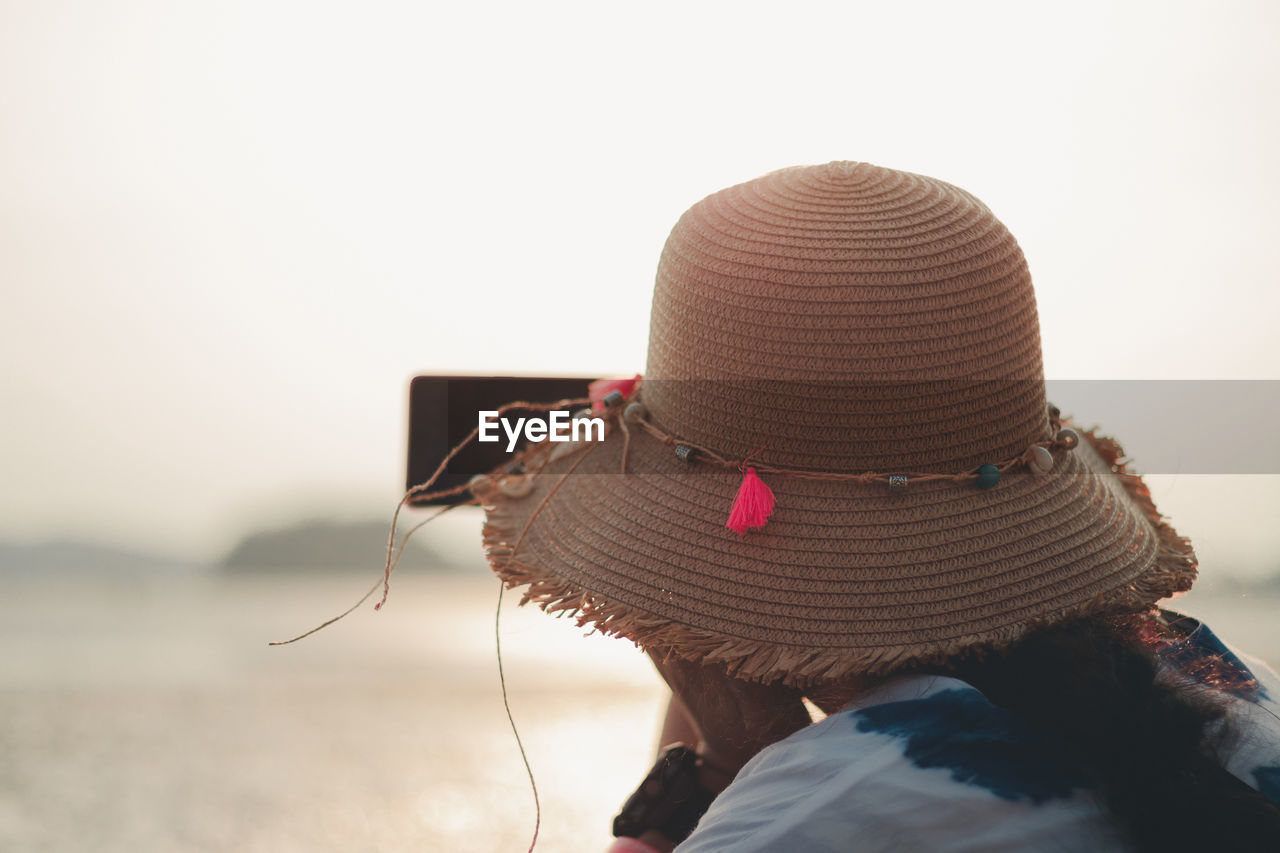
(752, 506)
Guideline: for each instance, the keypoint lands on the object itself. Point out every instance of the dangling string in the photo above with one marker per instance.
(497, 636)
(502, 680)
(399, 552)
(393, 557)
(423, 492)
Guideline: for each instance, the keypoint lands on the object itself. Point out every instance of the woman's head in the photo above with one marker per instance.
(866, 341)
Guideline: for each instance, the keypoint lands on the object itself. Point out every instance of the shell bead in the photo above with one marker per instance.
(562, 449)
(1041, 461)
(480, 485)
(988, 476)
(516, 486)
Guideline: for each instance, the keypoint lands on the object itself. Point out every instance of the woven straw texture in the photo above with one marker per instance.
(845, 318)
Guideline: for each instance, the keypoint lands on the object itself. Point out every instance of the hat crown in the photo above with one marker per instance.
(846, 317)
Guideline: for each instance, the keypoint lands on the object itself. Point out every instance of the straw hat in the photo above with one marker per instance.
(852, 353)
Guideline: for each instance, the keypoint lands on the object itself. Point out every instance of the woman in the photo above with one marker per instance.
(839, 479)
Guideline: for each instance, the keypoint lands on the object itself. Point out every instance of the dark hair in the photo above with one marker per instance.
(1147, 742)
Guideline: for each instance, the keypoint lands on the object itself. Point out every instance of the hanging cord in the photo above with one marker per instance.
(708, 455)
(497, 636)
(423, 492)
(502, 680)
(394, 561)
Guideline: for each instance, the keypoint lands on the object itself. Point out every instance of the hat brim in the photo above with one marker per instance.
(846, 578)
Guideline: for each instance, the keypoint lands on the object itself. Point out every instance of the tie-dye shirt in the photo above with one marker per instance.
(926, 763)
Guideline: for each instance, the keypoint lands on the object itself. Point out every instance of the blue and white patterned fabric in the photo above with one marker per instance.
(926, 763)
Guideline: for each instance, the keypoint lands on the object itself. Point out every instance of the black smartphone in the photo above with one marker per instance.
(443, 410)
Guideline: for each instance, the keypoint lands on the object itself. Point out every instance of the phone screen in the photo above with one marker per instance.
(443, 410)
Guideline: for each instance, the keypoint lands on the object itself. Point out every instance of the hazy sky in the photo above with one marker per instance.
(231, 232)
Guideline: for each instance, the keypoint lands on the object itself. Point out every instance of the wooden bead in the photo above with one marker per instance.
(988, 476)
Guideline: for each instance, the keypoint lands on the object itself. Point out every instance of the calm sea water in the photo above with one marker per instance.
(148, 714)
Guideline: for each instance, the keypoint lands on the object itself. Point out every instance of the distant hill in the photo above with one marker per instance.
(324, 546)
(68, 555)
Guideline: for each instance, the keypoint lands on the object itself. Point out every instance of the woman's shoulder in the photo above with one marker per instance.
(1251, 689)
(927, 762)
(919, 763)
(1187, 646)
